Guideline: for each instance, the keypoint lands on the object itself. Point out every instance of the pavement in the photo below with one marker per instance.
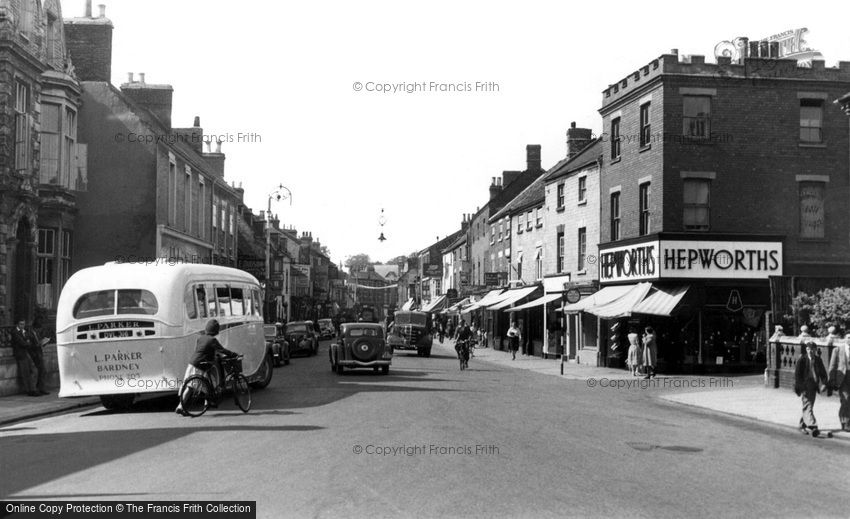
(740, 396)
(734, 395)
(16, 408)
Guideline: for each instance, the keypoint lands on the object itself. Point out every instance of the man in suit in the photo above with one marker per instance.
(809, 380)
(21, 347)
(839, 365)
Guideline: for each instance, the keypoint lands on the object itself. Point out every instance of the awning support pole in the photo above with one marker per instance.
(699, 327)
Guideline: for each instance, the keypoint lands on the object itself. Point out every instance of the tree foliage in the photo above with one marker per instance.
(357, 262)
(829, 307)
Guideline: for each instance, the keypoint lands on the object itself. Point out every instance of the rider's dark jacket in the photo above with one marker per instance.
(206, 349)
(464, 334)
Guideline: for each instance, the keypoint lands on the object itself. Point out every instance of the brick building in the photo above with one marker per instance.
(152, 190)
(718, 177)
(486, 259)
(570, 238)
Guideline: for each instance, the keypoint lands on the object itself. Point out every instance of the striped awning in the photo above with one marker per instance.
(513, 296)
(661, 301)
(435, 305)
(548, 298)
(624, 305)
(601, 297)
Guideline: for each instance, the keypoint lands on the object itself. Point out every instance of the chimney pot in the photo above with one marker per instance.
(197, 121)
(102, 8)
(129, 77)
(209, 145)
(142, 78)
(218, 146)
(674, 52)
(573, 124)
(88, 8)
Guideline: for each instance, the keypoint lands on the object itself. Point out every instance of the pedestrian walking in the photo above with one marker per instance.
(513, 339)
(809, 379)
(839, 380)
(650, 352)
(635, 358)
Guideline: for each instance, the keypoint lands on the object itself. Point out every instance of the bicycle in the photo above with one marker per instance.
(198, 395)
(462, 348)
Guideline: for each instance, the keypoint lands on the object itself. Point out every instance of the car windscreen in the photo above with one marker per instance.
(270, 330)
(296, 328)
(403, 319)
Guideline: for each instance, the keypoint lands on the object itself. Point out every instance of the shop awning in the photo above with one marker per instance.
(435, 305)
(624, 305)
(548, 298)
(407, 306)
(491, 297)
(457, 306)
(661, 301)
(513, 296)
(601, 297)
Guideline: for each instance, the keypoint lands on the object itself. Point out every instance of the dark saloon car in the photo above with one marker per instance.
(360, 345)
(302, 338)
(276, 343)
(411, 331)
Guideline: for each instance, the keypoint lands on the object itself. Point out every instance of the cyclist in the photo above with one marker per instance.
(464, 336)
(205, 353)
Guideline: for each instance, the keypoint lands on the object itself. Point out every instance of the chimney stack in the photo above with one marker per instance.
(495, 189)
(102, 8)
(155, 98)
(577, 139)
(89, 44)
(532, 154)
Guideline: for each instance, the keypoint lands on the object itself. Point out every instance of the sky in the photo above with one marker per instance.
(476, 81)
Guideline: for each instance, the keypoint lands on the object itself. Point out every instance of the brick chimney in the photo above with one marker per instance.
(192, 137)
(532, 154)
(509, 176)
(89, 43)
(577, 139)
(155, 98)
(495, 187)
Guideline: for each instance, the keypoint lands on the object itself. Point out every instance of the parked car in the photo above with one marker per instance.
(277, 343)
(326, 329)
(302, 338)
(360, 345)
(411, 331)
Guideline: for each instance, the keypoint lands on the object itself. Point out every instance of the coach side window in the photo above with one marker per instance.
(201, 298)
(189, 301)
(237, 303)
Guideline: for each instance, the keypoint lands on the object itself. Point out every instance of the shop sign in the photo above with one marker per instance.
(720, 259)
(629, 263)
(491, 279)
(434, 270)
(672, 259)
